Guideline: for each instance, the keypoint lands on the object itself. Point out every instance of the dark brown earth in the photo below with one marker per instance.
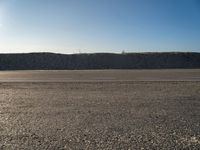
(84, 113)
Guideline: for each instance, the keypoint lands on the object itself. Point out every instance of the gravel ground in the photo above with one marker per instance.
(100, 115)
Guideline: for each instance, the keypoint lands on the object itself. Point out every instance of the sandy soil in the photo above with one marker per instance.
(100, 75)
(100, 115)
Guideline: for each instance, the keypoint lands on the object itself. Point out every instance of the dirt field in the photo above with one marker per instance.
(141, 109)
(100, 75)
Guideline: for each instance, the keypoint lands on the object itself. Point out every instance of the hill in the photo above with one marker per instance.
(47, 61)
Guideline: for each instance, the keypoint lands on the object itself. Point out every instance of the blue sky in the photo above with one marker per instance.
(72, 26)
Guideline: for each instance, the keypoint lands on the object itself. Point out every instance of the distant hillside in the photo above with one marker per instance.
(33, 61)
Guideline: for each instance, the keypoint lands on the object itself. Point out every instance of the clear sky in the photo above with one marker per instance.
(72, 26)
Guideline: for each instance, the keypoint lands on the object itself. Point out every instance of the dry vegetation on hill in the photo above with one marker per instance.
(46, 61)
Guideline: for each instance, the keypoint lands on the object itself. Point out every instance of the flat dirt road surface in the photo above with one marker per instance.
(108, 109)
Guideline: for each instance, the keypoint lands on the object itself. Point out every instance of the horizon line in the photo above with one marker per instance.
(122, 52)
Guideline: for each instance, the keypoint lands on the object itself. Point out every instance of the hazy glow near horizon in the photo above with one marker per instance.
(71, 26)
